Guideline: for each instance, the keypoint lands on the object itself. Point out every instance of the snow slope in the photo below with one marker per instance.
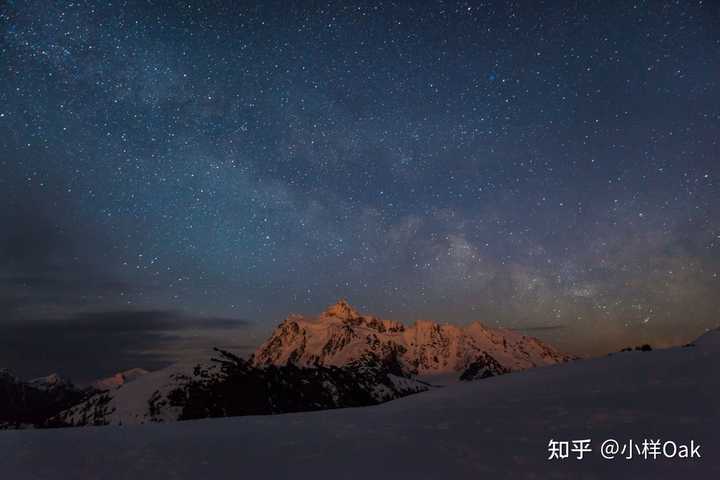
(227, 385)
(495, 428)
(127, 403)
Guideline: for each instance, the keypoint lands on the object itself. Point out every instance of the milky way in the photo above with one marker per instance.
(545, 166)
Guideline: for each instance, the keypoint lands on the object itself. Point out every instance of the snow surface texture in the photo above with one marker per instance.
(495, 428)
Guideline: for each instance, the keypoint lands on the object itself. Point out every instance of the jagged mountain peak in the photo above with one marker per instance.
(342, 310)
(341, 335)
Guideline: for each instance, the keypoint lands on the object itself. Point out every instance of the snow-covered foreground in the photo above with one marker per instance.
(493, 428)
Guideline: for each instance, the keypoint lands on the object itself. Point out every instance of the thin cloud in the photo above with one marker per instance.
(90, 345)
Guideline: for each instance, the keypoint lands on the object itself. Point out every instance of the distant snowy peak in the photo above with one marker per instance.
(119, 379)
(341, 335)
(50, 382)
(32, 403)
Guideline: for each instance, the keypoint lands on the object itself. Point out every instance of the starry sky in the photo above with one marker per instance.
(178, 173)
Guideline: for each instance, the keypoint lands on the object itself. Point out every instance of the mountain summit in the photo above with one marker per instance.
(341, 309)
(340, 336)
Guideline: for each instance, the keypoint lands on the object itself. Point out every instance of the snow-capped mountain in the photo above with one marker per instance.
(341, 335)
(118, 379)
(32, 403)
(339, 359)
(231, 386)
(130, 402)
(50, 382)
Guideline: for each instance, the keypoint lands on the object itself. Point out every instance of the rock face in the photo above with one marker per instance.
(341, 335)
(32, 404)
(485, 366)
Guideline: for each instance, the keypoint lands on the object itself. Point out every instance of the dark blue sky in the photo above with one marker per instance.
(551, 166)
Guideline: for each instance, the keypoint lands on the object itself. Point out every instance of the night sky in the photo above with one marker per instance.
(181, 173)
